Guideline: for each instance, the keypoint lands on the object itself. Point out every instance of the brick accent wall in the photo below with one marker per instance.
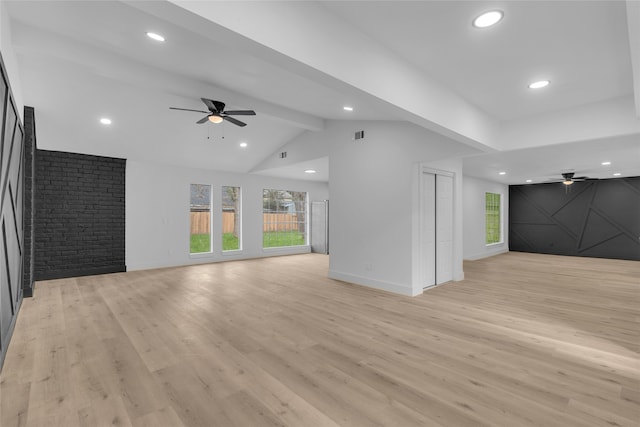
(29, 200)
(80, 215)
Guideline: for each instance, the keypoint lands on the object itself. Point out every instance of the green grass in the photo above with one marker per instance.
(230, 242)
(200, 243)
(275, 239)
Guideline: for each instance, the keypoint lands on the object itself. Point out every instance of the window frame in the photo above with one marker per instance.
(211, 240)
(239, 217)
(305, 221)
(500, 212)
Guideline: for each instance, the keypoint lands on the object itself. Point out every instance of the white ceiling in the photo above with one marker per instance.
(80, 61)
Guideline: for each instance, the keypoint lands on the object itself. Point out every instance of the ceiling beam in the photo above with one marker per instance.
(633, 24)
(313, 42)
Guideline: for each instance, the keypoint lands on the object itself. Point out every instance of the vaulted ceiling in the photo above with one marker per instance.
(298, 63)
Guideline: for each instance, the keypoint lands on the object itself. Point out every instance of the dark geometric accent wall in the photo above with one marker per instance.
(11, 219)
(596, 218)
(80, 215)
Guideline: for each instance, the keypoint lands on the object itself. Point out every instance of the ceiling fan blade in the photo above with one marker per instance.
(202, 120)
(213, 106)
(240, 113)
(234, 121)
(187, 109)
(580, 177)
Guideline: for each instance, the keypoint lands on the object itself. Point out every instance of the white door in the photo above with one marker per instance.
(437, 229)
(444, 228)
(429, 229)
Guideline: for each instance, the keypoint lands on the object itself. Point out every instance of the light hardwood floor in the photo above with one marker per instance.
(525, 340)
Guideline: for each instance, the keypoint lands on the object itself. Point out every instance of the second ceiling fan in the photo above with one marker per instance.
(217, 113)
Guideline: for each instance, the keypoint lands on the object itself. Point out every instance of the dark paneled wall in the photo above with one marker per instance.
(29, 199)
(598, 218)
(11, 219)
(80, 215)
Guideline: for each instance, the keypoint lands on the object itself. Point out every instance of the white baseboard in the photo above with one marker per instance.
(476, 257)
(371, 283)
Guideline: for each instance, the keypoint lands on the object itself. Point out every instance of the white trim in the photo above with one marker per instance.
(475, 257)
(373, 283)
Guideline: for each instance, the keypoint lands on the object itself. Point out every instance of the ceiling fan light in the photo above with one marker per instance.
(215, 119)
(567, 182)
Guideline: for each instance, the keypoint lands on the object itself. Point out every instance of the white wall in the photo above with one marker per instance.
(474, 190)
(157, 213)
(372, 198)
(9, 59)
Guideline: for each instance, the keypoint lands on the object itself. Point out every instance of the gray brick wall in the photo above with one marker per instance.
(29, 200)
(80, 215)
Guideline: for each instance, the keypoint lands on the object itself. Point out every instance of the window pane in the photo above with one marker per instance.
(492, 217)
(200, 207)
(284, 218)
(231, 218)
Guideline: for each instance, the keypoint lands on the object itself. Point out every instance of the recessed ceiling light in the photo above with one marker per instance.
(605, 163)
(310, 171)
(617, 174)
(502, 173)
(528, 180)
(105, 121)
(243, 144)
(347, 108)
(539, 84)
(488, 19)
(155, 36)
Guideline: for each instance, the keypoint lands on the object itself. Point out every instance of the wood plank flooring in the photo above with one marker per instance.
(525, 340)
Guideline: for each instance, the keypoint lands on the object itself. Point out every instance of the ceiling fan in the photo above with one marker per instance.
(568, 178)
(217, 114)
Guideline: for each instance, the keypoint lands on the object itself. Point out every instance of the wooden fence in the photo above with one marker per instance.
(201, 222)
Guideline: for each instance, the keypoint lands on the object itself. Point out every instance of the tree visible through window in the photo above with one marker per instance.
(230, 218)
(492, 218)
(200, 212)
(284, 218)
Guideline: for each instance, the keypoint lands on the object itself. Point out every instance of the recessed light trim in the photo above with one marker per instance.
(617, 174)
(502, 173)
(347, 108)
(488, 19)
(243, 144)
(155, 36)
(310, 171)
(528, 180)
(105, 121)
(605, 163)
(539, 84)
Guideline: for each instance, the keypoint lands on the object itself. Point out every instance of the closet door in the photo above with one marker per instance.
(444, 228)
(429, 228)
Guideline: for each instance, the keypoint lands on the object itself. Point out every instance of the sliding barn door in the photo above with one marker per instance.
(11, 221)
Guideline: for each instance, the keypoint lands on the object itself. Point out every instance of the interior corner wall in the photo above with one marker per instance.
(79, 215)
(595, 218)
(474, 224)
(9, 58)
(158, 220)
(372, 198)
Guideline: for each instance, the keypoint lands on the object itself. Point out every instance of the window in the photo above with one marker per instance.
(231, 218)
(284, 218)
(200, 207)
(493, 218)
